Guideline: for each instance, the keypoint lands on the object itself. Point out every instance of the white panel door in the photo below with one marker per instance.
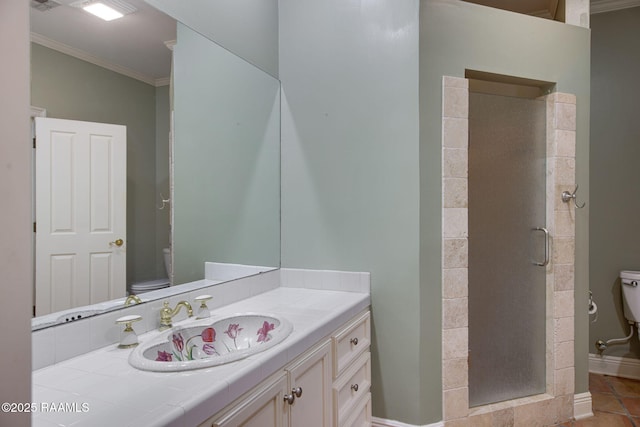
(80, 213)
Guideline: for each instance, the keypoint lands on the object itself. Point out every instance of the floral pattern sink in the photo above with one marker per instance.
(212, 343)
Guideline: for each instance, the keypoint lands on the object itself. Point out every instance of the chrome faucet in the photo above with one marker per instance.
(166, 314)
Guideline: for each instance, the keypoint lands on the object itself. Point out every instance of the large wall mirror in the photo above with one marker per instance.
(221, 171)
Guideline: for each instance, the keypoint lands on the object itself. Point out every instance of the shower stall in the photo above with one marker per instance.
(508, 244)
(508, 247)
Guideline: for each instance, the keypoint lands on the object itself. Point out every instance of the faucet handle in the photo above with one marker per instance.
(203, 311)
(128, 337)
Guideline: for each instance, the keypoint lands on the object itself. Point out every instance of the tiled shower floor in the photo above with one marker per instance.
(616, 403)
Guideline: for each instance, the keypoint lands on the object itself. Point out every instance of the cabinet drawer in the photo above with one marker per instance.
(361, 416)
(351, 386)
(350, 342)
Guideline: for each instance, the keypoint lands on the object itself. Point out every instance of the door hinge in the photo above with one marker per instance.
(34, 142)
(34, 227)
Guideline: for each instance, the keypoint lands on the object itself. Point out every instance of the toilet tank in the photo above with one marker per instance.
(631, 294)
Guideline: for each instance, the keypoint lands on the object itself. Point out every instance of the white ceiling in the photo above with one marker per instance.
(133, 45)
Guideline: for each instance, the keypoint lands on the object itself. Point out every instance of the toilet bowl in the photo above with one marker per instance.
(152, 285)
(631, 295)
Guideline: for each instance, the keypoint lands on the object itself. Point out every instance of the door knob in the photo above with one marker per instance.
(118, 242)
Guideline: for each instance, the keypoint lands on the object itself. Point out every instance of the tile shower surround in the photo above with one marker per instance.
(557, 404)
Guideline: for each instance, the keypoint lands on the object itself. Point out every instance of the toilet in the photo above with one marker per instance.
(631, 307)
(152, 285)
(631, 295)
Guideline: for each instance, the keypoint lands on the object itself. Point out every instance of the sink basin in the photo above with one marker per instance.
(212, 343)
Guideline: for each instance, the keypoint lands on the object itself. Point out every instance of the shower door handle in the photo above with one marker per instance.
(546, 246)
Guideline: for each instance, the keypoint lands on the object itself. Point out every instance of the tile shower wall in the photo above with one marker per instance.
(557, 403)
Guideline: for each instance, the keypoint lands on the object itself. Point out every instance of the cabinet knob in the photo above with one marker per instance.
(289, 398)
(354, 387)
(297, 391)
(354, 341)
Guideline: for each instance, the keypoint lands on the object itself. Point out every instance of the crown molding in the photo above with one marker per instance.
(601, 6)
(87, 57)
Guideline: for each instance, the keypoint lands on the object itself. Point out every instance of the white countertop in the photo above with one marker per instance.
(100, 388)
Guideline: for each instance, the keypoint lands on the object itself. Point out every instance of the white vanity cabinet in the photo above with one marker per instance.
(352, 373)
(326, 386)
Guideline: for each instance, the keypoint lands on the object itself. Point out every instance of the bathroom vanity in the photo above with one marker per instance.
(327, 385)
(319, 375)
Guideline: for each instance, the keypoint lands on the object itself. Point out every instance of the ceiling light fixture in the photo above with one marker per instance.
(105, 9)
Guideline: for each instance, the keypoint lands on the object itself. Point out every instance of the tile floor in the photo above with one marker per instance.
(616, 403)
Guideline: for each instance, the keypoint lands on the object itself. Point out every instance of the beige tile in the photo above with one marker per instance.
(455, 102)
(503, 418)
(455, 313)
(564, 329)
(481, 420)
(565, 98)
(455, 223)
(564, 223)
(565, 143)
(455, 253)
(455, 344)
(455, 373)
(449, 81)
(563, 304)
(565, 173)
(564, 405)
(563, 250)
(455, 193)
(455, 403)
(455, 163)
(564, 277)
(455, 283)
(538, 414)
(564, 355)
(455, 133)
(460, 422)
(565, 381)
(565, 116)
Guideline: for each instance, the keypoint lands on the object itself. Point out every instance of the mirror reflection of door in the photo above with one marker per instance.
(80, 255)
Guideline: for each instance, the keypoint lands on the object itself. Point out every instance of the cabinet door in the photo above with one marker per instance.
(266, 408)
(312, 376)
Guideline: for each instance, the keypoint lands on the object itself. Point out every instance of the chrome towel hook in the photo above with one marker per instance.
(566, 196)
(165, 202)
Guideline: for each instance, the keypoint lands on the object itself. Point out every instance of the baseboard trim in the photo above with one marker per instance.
(624, 367)
(381, 422)
(582, 406)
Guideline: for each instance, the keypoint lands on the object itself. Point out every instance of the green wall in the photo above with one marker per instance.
(350, 172)
(615, 150)
(361, 159)
(163, 120)
(69, 88)
(248, 28)
(226, 159)
(456, 36)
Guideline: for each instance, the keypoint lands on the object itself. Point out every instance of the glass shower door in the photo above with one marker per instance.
(507, 285)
